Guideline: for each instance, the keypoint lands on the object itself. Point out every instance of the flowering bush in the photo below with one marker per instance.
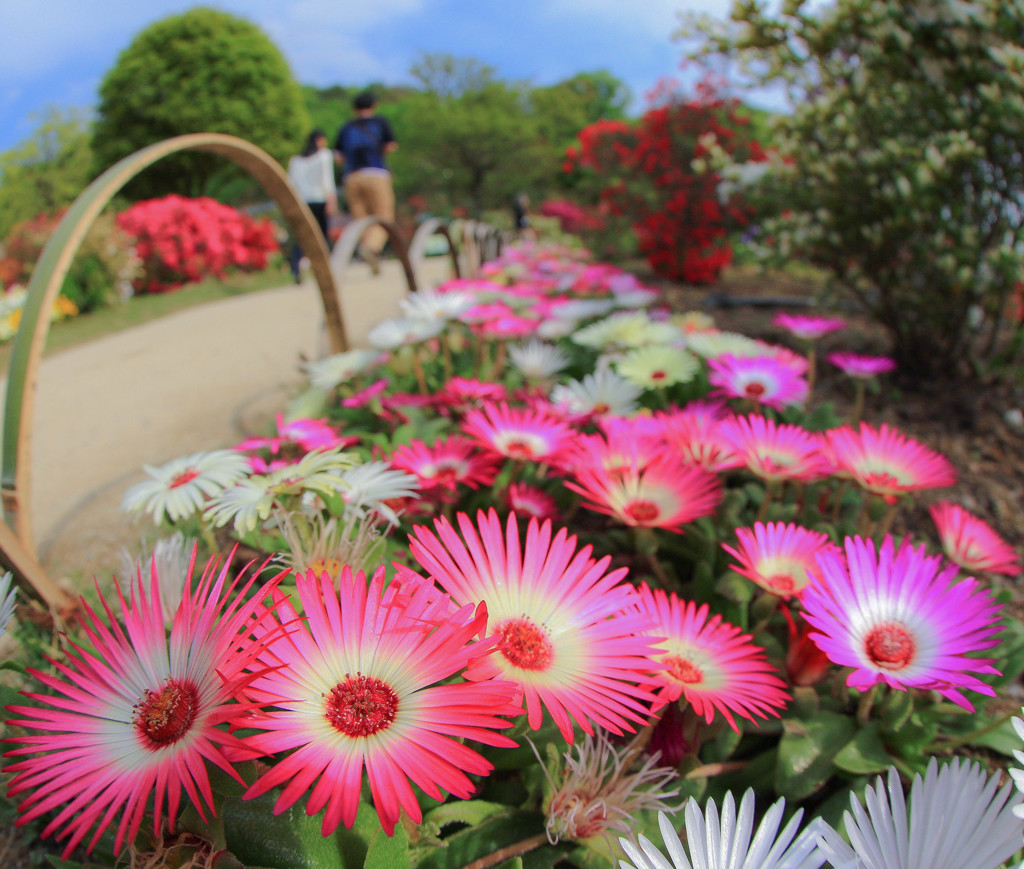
(559, 561)
(661, 178)
(180, 240)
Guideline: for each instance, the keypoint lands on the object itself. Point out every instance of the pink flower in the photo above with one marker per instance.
(899, 617)
(774, 451)
(531, 502)
(808, 327)
(519, 433)
(362, 683)
(714, 665)
(365, 396)
(442, 467)
(761, 379)
(570, 634)
(863, 367)
(778, 556)
(971, 542)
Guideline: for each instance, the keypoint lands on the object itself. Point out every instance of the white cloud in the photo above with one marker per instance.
(658, 18)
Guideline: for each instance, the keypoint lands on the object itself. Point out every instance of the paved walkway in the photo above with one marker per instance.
(194, 380)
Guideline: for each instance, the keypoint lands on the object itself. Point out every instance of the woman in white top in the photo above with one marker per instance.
(312, 174)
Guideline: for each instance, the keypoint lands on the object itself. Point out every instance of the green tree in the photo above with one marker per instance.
(45, 172)
(566, 107)
(203, 71)
(903, 169)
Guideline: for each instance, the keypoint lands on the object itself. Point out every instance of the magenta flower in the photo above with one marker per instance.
(713, 664)
(140, 715)
(362, 683)
(899, 617)
(531, 502)
(774, 451)
(808, 327)
(862, 367)
(570, 633)
(521, 434)
(971, 542)
(778, 556)
(761, 379)
(443, 466)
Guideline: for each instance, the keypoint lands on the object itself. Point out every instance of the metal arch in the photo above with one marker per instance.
(348, 241)
(17, 546)
(430, 227)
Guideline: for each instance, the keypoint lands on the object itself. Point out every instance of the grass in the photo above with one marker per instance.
(142, 309)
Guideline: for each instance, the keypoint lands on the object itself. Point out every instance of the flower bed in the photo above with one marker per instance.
(569, 558)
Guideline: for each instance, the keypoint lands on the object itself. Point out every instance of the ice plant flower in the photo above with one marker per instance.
(603, 393)
(662, 494)
(886, 462)
(760, 379)
(7, 601)
(779, 556)
(898, 616)
(342, 367)
(181, 488)
(537, 360)
(518, 433)
(140, 715)
(367, 488)
(691, 433)
(357, 686)
(958, 818)
(712, 343)
(445, 465)
(570, 633)
(862, 367)
(730, 842)
(171, 562)
(774, 451)
(971, 542)
(601, 788)
(403, 332)
(808, 327)
(712, 664)
(526, 500)
(466, 390)
(658, 366)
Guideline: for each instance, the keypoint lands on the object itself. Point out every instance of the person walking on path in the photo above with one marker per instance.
(362, 145)
(312, 174)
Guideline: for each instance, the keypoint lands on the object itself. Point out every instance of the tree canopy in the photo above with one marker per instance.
(202, 71)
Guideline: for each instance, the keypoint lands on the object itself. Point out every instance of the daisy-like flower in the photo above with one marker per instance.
(899, 616)
(730, 842)
(140, 715)
(368, 487)
(779, 556)
(436, 305)
(958, 818)
(580, 309)
(662, 494)
(305, 434)
(971, 542)
(342, 367)
(182, 487)
(403, 332)
(808, 327)
(602, 393)
(691, 432)
(761, 379)
(570, 634)
(537, 360)
(600, 789)
(862, 367)
(171, 562)
(7, 601)
(713, 664)
(774, 451)
(529, 501)
(355, 686)
(886, 462)
(442, 467)
(466, 390)
(625, 329)
(712, 343)
(521, 434)
(658, 366)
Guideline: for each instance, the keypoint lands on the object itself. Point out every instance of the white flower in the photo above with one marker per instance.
(7, 594)
(172, 560)
(536, 359)
(181, 488)
(604, 392)
(365, 489)
(342, 367)
(434, 305)
(555, 328)
(403, 332)
(626, 329)
(652, 367)
(731, 843)
(957, 820)
(713, 344)
(637, 297)
(581, 309)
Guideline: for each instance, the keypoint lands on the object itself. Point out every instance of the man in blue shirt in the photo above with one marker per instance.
(362, 145)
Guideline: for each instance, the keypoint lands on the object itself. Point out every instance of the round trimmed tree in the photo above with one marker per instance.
(202, 71)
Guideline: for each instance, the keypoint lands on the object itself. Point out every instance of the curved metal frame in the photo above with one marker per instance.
(17, 546)
(348, 241)
(430, 227)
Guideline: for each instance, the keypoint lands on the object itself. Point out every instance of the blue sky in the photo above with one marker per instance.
(56, 52)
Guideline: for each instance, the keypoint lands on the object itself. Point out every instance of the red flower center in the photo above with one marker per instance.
(642, 511)
(683, 670)
(518, 449)
(600, 407)
(890, 646)
(164, 717)
(525, 645)
(780, 582)
(658, 375)
(186, 476)
(361, 706)
(754, 390)
(446, 475)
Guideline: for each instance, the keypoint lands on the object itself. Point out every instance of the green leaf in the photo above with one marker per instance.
(896, 709)
(470, 812)
(471, 843)
(865, 753)
(1003, 739)
(806, 751)
(388, 852)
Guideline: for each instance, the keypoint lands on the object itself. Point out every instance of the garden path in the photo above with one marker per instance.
(198, 379)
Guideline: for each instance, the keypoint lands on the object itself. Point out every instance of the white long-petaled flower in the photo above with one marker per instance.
(713, 344)
(403, 332)
(7, 594)
(657, 366)
(1017, 772)
(367, 487)
(957, 820)
(342, 367)
(433, 305)
(730, 842)
(625, 329)
(582, 309)
(537, 359)
(604, 393)
(637, 297)
(181, 488)
(172, 562)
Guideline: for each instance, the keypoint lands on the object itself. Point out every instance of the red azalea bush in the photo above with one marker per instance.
(660, 179)
(180, 240)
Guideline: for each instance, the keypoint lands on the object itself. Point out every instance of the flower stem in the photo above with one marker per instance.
(502, 854)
